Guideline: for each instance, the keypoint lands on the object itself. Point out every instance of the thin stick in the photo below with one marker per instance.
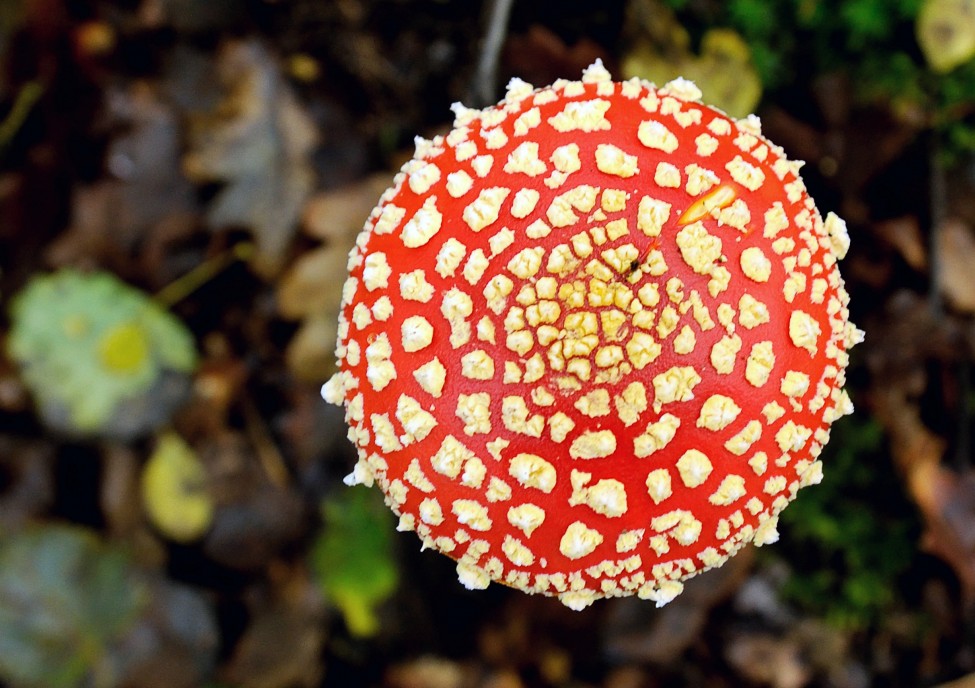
(485, 80)
(939, 213)
(183, 286)
(267, 451)
(28, 96)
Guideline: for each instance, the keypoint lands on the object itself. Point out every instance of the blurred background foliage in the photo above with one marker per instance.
(180, 182)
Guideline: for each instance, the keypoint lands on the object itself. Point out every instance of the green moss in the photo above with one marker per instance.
(852, 538)
(914, 57)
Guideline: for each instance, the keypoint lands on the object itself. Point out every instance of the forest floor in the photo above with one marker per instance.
(220, 156)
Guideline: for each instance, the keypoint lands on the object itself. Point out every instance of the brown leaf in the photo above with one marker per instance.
(112, 216)
(963, 682)
(904, 235)
(911, 334)
(426, 672)
(540, 56)
(313, 284)
(175, 642)
(254, 519)
(28, 482)
(311, 352)
(337, 215)
(119, 494)
(947, 501)
(217, 386)
(635, 633)
(768, 660)
(263, 660)
(258, 141)
(955, 245)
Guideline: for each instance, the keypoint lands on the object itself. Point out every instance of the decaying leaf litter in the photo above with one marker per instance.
(220, 158)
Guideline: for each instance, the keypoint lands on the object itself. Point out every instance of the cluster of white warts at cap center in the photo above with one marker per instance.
(593, 339)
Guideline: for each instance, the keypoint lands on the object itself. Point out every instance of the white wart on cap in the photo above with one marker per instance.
(592, 340)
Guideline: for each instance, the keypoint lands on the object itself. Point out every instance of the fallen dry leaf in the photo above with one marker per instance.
(659, 636)
(112, 216)
(28, 488)
(311, 352)
(261, 660)
(119, 493)
(955, 244)
(258, 141)
(175, 641)
(911, 335)
(426, 672)
(313, 284)
(904, 234)
(963, 682)
(254, 519)
(768, 660)
(540, 56)
(311, 288)
(337, 215)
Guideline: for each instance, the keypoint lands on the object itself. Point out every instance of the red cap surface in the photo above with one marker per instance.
(592, 341)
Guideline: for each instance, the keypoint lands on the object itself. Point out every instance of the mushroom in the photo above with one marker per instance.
(593, 339)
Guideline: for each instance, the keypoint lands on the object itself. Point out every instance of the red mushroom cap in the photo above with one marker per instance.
(592, 341)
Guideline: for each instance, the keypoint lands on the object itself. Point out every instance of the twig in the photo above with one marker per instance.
(264, 446)
(963, 434)
(963, 369)
(939, 213)
(28, 96)
(183, 286)
(485, 80)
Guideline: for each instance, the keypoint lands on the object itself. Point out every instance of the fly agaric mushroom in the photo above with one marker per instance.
(593, 339)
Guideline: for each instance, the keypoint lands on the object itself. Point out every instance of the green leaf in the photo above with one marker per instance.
(353, 558)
